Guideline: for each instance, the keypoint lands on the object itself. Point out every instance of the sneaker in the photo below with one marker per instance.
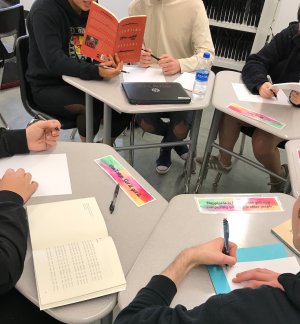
(182, 151)
(279, 186)
(163, 163)
(215, 164)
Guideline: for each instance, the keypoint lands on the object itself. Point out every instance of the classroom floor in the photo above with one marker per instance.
(242, 178)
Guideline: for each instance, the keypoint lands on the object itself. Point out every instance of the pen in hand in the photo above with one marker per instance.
(110, 67)
(226, 236)
(155, 57)
(113, 202)
(274, 93)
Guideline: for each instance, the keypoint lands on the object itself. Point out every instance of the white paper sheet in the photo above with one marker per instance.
(243, 94)
(283, 265)
(186, 80)
(49, 170)
(287, 86)
(139, 74)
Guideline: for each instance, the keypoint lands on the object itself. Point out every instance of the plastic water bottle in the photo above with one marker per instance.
(202, 75)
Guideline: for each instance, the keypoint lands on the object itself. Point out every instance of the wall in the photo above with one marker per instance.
(286, 12)
(118, 7)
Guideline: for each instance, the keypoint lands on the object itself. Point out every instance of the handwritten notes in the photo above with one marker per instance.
(138, 194)
(238, 204)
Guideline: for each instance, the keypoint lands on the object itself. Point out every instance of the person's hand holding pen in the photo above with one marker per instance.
(265, 91)
(146, 57)
(111, 67)
(169, 65)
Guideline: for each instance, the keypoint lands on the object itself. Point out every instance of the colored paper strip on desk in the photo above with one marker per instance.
(138, 194)
(299, 154)
(256, 116)
(222, 278)
(238, 204)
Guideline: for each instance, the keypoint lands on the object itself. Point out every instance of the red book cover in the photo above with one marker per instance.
(105, 34)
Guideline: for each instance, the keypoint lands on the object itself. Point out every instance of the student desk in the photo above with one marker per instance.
(111, 94)
(223, 95)
(129, 226)
(182, 226)
(293, 158)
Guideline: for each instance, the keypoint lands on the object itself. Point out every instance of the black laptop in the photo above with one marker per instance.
(152, 93)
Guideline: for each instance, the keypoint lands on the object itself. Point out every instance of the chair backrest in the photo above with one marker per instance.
(12, 21)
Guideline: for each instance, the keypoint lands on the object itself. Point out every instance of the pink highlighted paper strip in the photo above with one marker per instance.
(238, 204)
(127, 182)
(299, 154)
(256, 116)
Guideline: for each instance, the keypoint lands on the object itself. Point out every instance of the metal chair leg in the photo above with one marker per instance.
(3, 122)
(72, 136)
(242, 144)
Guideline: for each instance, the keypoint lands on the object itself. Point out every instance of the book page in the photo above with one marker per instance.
(100, 33)
(287, 86)
(77, 271)
(65, 221)
(50, 171)
(283, 265)
(130, 37)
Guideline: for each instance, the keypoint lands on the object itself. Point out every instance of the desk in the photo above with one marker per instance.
(223, 95)
(292, 148)
(182, 226)
(129, 226)
(111, 94)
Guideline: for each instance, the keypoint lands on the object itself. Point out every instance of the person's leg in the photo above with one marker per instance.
(266, 152)
(67, 102)
(119, 123)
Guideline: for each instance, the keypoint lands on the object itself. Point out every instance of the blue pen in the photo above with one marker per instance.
(226, 236)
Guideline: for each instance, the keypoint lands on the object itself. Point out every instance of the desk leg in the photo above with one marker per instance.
(89, 117)
(107, 125)
(213, 132)
(197, 115)
(108, 319)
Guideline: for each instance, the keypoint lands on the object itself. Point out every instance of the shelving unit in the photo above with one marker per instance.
(238, 28)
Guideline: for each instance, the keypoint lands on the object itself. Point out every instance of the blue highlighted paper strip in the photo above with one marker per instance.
(257, 253)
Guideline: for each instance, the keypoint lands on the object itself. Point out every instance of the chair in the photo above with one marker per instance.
(30, 106)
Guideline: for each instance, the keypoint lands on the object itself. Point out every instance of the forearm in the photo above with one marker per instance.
(12, 142)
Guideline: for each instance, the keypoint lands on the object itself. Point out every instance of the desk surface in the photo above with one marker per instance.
(224, 95)
(181, 226)
(111, 93)
(292, 148)
(129, 226)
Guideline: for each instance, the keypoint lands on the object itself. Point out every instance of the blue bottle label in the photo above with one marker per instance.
(202, 75)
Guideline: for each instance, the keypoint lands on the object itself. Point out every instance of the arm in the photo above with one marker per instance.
(12, 142)
(151, 305)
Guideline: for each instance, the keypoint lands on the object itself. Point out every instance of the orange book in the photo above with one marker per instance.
(105, 34)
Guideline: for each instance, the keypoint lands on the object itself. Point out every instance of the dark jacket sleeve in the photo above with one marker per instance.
(13, 142)
(13, 239)
(258, 65)
(151, 306)
(49, 40)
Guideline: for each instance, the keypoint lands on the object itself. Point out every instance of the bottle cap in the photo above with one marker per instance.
(206, 55)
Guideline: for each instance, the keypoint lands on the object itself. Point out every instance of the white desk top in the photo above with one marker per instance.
(110, 92)
(292, 148)
(181, 226)
(224, 95)
(129, 226)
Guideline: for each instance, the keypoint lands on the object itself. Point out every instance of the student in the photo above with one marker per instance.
(56, 29)
(281, 60)
(178, 33)
(268, 298)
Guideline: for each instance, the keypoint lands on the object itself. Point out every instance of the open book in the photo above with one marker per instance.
(74, 258)
(287, 86)
(284, 233)
(105, 35)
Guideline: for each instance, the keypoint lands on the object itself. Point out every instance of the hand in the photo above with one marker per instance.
(212, 253)
(42, 135)
(145, 59)
(295, 97)
(258, 277)
(19, 182)
(169, 64)
(114, 67)
(265, 92)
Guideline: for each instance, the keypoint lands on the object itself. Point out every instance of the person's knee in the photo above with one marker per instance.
(262, 148)
(181, 131)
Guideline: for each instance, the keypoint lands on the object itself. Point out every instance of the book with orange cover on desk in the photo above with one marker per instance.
(74, 258)
(105, 34)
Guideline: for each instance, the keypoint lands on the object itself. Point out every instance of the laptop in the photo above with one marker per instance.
(154, 93)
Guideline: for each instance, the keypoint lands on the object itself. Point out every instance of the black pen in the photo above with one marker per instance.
(155, 57)
(270, 80)
(226, 236)
(110, 68)
(113, 202)
(39, 117)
